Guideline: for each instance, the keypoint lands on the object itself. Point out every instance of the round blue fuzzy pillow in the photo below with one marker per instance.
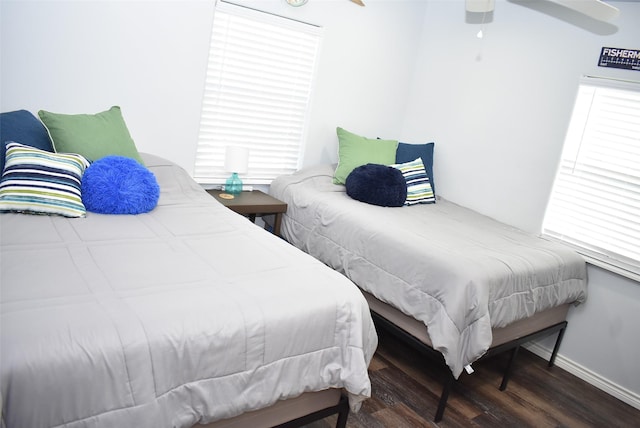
(377, 185)
(119, 185)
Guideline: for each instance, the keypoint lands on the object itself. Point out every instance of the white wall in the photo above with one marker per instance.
(498, 109)
(150, 58)
(84, 57)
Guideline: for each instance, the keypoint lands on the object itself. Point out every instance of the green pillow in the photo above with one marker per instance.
(94, 136)
(354, 151)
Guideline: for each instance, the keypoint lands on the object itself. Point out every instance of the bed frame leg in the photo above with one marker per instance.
(343, 412)
(514, 352)
(556, 347)
(509, 369)
(446, 389)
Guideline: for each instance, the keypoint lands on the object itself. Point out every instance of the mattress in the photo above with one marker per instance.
(186, 314)
(457, 271)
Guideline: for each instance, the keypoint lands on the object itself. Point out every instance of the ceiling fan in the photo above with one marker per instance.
(596, 9)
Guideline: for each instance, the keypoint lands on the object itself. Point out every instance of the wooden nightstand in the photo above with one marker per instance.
(254, 204)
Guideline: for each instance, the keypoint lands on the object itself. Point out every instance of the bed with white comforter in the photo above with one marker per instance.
(455, 270)
(186, 314)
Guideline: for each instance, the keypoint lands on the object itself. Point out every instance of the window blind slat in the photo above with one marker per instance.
(595, 200)
(257, 93)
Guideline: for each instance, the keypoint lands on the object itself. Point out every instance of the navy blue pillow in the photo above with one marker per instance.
(119, 185)
(22, 127)
(410, 152)
(377, 185)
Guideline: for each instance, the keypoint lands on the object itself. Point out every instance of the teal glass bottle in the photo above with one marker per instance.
(233, 185)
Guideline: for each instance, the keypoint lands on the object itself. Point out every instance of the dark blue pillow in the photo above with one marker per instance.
(22, 127)
(377, 185)
(119, 185)
(410, 152)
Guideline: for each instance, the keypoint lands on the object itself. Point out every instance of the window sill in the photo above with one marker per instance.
(601, 261)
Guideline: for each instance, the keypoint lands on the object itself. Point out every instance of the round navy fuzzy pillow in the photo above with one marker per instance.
(119, 185)
(377, 185)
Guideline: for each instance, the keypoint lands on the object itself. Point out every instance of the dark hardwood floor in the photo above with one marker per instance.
(407, 386)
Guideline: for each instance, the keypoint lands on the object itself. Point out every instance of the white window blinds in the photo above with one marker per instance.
(257, 95)
(595, 201)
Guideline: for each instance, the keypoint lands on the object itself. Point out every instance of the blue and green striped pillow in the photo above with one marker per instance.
(419, 190)
(35, 181)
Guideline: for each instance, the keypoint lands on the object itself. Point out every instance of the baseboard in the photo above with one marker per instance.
(620, 392)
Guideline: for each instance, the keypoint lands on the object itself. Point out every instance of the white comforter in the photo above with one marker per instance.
(186, 314)
(459, 272)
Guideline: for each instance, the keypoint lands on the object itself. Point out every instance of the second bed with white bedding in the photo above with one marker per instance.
(457, 271)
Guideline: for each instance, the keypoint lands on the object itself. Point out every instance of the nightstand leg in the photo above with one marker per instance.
(276, 224)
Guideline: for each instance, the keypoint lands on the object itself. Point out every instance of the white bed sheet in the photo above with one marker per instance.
(459, 272)
(186, 314)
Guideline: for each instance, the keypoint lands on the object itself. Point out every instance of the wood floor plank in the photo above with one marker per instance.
(399, 416)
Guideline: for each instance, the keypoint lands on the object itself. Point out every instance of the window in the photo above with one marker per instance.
(257, 94)
(595, 200)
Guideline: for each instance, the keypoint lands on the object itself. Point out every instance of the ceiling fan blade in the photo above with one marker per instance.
(358, 2)
(596, 9)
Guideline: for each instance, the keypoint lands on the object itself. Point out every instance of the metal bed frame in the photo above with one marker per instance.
(449, 382)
